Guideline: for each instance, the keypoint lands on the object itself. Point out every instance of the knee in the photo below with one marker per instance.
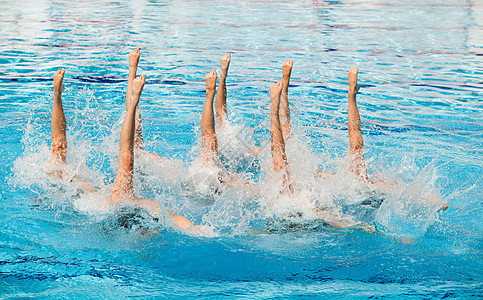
(59, 149)
(357, 148)
(354, 124)
(210, 142)
(279, 163)
(59, 145)
(208, 132)
(126, 158)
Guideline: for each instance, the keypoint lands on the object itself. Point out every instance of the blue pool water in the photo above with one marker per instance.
(421, 105)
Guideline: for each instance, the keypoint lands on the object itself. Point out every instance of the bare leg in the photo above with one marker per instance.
(133, 65)
(284, 105)
(122, 189)
(58, 122)
(138, 135)
(278, 144)
(210, 144)
(356, 144)
(220, 102)
(59, 140)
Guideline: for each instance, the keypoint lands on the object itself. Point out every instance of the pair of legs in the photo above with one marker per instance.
(123, 185)
(281, 130)
(122, 189)
(209, 151)
(209, 141)
(280, 126)
(133, 65)
(131, 138)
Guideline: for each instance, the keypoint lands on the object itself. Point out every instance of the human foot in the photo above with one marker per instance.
(225, 64)
(210, 81)
(137, 89)
(58, 78)
(286, 71)
(353, 85)
(134, 60)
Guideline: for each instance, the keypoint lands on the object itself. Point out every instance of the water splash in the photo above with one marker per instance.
(410, 207)
(404, 207)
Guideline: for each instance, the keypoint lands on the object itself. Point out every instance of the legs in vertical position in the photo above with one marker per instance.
(134, 56)
(208, 135)
(356, 144)
(220, 102)
(279, 157)
(133, 65)
(122, 189)
(284, 104)
(59, 141)
(58, 122)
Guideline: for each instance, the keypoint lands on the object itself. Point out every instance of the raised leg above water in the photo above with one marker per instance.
(220, 103)
(279, 157)
(58, 122)
(356, 143)
(210, 144)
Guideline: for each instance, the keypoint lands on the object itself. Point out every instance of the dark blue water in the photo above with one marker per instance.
(421, 107)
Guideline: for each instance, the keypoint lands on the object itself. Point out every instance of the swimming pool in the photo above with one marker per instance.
(420, 102)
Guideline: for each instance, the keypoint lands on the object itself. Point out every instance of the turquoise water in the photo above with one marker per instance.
(421, 107)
